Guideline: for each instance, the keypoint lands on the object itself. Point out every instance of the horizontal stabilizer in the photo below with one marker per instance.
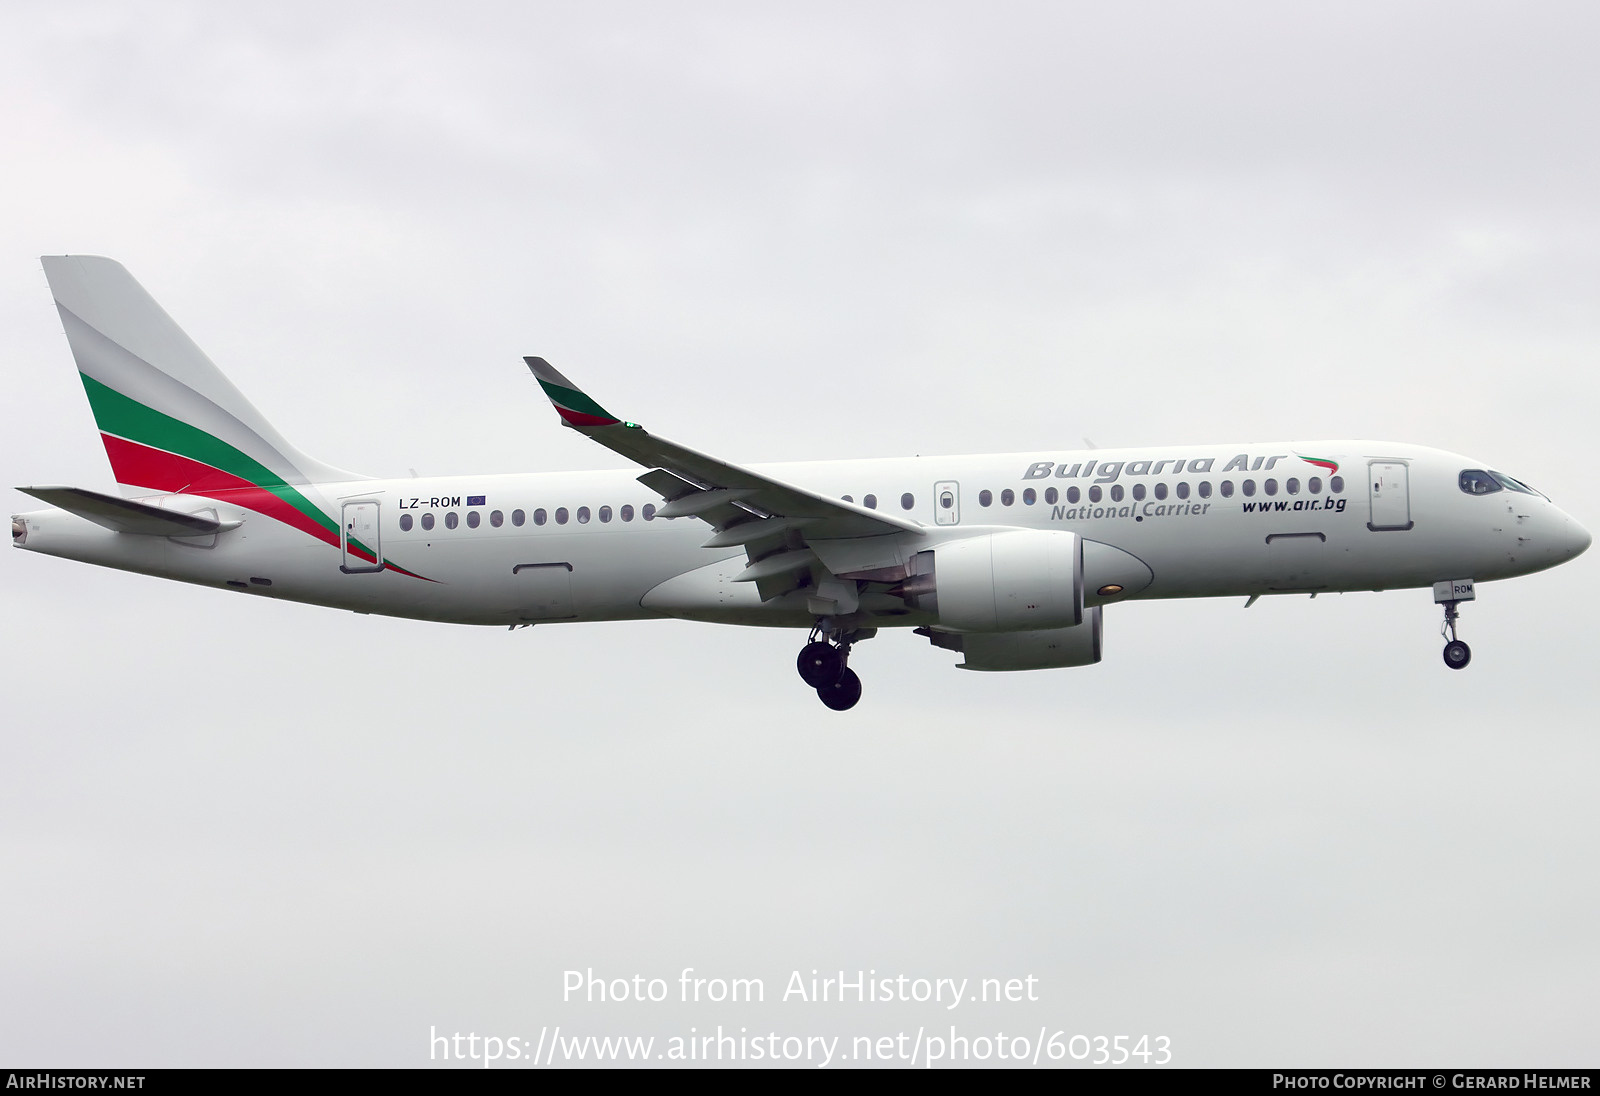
(127, 515)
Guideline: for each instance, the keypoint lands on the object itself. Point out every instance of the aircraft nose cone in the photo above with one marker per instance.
(1575, 540)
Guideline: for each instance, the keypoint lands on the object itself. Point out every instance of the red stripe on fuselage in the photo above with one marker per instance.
(141, 466)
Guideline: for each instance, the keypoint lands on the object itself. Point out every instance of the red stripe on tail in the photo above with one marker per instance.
(141, 466)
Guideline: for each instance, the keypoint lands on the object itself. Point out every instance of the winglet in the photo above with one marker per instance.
(575, 408)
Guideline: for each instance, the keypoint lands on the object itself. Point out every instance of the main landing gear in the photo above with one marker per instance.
(1451, 594)
(824, 665)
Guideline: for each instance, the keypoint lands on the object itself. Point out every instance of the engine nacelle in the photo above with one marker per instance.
(1049, 649)
(1024, 580)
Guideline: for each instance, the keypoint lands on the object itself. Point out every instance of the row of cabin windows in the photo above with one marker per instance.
(907, 501)
(1313, 486)
(541, 516)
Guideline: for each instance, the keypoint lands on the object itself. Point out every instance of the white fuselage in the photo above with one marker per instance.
(584, 549)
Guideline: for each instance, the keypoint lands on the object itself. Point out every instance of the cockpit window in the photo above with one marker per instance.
(1512, 485)
(1476, 482)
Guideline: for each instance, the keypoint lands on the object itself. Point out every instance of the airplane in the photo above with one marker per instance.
(1007, 559)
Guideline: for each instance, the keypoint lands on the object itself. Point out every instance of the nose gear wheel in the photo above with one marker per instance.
(1456, 653)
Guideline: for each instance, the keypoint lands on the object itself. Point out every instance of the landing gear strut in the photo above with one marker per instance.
(1451, 594)
(824, 665)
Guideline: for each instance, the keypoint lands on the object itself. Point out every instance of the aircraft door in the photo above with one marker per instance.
(358, 539)
(947, 503)
(1389, 491)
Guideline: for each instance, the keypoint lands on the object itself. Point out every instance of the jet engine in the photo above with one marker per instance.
(1023, 580)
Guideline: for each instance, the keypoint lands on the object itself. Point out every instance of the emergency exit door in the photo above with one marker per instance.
(358, 539)
(947, 503)
(1390, 492)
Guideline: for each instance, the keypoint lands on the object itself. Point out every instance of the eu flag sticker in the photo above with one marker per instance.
(476, 500)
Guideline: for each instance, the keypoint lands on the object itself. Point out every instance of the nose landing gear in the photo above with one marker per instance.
(1451, 594)
(824, 665)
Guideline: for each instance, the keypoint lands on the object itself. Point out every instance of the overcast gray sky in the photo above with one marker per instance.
(236, 831)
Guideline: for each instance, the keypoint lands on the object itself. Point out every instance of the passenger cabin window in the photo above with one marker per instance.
(649, 511)
(561, 515)
(1248, 487)
(451, 521)
(605, 513)
(1050, 495)
(1161, 490)
(1138, 492)
(1271, 487)
(1030, 496)
(1205, 489)
(985, 497)
(627, 513)
(1292, 486)
(1314, 485)
(1007, 497)
(427, 521)
(1183, 490)
(518, 517)
(1094, 494)
(405, 523)
(496, 518)
(907, 501)
(1336, 485)
(540, 516)
(1226, 487)
(1073, 495)
(870, 502)
(474, 519)
(583, 515)
(1116, 492)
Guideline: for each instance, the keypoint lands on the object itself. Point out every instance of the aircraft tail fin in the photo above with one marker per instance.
(168, 417)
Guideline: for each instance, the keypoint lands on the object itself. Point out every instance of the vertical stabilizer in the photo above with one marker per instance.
(169, 419)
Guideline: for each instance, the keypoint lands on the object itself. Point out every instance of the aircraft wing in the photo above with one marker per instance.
(779, 524)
